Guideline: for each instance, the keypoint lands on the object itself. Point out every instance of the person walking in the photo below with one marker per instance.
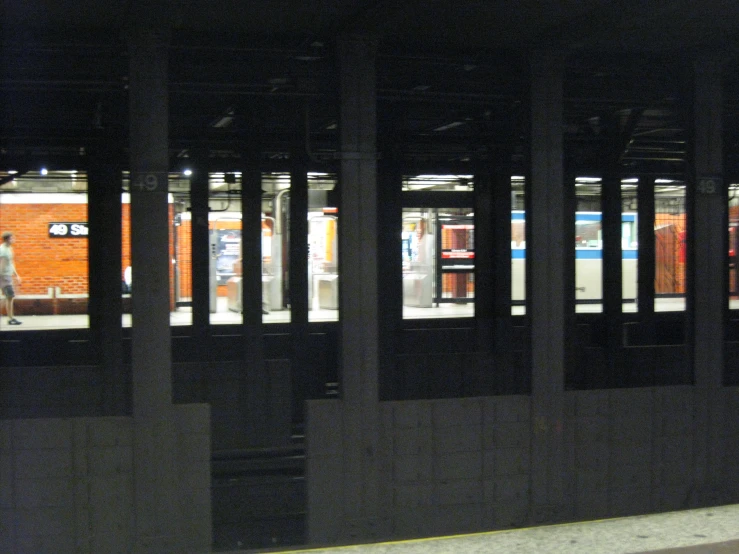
(7, 272)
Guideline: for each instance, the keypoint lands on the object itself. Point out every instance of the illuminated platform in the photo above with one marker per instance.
(702, 531)
(223, 316)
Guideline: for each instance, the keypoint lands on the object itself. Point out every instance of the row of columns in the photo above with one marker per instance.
(360, 333)
(550, 246)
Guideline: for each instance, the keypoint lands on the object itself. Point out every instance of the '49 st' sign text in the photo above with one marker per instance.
(68, 230)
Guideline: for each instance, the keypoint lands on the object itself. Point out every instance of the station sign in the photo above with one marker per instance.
(710, 185)
(68, 230)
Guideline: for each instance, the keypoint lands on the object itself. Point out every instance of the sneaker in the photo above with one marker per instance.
(14, 322)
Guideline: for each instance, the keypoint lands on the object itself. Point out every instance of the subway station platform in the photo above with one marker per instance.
(702, 531)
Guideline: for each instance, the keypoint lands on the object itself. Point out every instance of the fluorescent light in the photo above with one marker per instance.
(223, 122)
(451, 125)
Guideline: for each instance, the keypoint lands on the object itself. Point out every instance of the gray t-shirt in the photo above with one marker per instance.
(7, 266)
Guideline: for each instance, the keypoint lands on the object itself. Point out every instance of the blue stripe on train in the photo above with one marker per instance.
(580, 254)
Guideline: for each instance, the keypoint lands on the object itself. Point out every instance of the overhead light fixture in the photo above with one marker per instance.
(225, 120)
(44, 171)
(187, 172)
(222, 122)
(451, 125)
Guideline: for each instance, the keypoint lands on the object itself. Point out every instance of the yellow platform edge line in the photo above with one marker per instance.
(459, 536)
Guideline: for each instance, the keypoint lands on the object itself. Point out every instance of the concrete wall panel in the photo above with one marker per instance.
(631, 452)
(67, 485)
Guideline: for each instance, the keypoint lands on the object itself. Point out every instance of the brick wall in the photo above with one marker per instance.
(42, 261)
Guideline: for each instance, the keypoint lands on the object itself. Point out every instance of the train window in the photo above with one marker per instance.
(447, 183)
(670, 246)
(518, 246)
(46, 211)
(588, 246)
(438, 252)
(323, 260)
(226, 253)
(276, 247)
(733, 245)
(629, 244)
(126, 269)
(225, 269)
(225, 248)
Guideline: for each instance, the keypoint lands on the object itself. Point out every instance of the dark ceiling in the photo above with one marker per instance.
(452, 76)
(607, 25)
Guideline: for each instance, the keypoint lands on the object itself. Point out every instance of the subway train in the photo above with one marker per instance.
(438, 256)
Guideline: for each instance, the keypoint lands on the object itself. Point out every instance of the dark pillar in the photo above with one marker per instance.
(266, 392)
(646, 265)
(157, 519)
(508, 379)
(151, 354)
(359, 323)
(301, 363)
(200, 248)
(390, 309)
(546, 259)
(493, 273)
(612, 267)
(486, 289)
(104, 179)
(708, 293)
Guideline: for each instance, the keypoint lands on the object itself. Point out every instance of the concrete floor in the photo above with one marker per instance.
(703, 531)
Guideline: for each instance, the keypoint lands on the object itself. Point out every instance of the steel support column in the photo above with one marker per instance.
(200, 248)
(708, 287)
(546, 261)
(104, 217)
(359, 294)
(157, 507)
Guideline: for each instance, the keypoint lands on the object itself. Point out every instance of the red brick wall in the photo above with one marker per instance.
(126, 246)
(42, 261)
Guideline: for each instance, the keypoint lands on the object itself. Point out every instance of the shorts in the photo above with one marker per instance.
(7, 288)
